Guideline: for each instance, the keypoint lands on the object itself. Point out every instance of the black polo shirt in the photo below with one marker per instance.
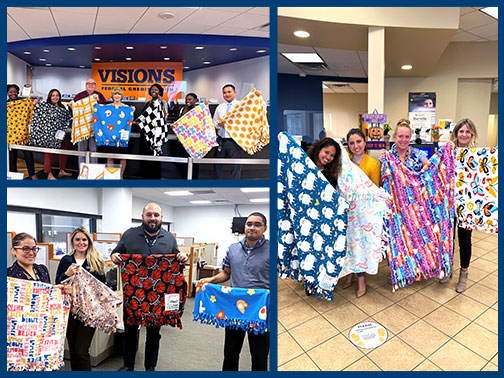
(134, 241)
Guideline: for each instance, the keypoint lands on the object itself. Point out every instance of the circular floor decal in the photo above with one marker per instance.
(368, 335)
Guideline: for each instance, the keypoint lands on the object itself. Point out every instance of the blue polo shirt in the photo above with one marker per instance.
(249, 266)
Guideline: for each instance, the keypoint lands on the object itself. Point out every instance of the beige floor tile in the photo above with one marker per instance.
(301, 363)
(280, 328)
(348, 293)
(455, 357)
(491, 281)
(345, 316)
(423, 337)
(297, 287)
(482, 294)
(466, 306)
(296, 314)
(491, 256)
(484, 265)
(475, 274)
(396, 296)
(323, 305)
(489, 320)
(395, 355)
(496, 306)
(364, 364)
(439, 292)
(418, 304)
(313, 332)
(287, 298)
(479, 340)
(426, 366)
(490, 367)
(335, 354)
(419, 285)
(446, 321)
(395, 318)
(495, 360)
(484, 244)
(376, 280)
(281, 284)
(372, 302)
(288, 349)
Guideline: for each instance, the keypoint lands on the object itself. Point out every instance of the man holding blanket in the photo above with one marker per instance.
(247, 264)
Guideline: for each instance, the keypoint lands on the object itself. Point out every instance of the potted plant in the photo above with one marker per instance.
(436, 133)
(386, 130)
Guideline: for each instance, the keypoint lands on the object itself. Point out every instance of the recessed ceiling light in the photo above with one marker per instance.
(97, 59)
(166, 58)
(26, 52)
(491, 11)
(406, 67)
(186, 67)
(128, 58)
(201, 202)
(303, 57)
(199, 47)
(129, 47)
(166, 15)
(97, 47)
(260, 51)
(42, 59)
(206, 62)
(301, 34)
(163, 47)
(179, 193)
(261, 200)
(48, 64)
(82, 66)
(254, 190)
(233, 49)
(71, 48)
(46, 51)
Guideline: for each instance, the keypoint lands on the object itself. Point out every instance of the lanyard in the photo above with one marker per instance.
(149, 243)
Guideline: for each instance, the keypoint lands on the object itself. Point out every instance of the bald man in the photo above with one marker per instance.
(147, 239)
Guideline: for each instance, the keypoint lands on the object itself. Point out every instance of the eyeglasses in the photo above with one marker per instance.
(27, 249)
(255, 224)
(90, 83)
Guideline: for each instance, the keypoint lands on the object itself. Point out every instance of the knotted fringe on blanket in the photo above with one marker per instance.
(82, 127)
(153, 123)
(368, 206)
(232, 307)
(112, 125)
(49, 125)
(247, 123)
(420, 227)
(19, 117)
(312, 219)
(154, 290)
(196, 131)
(93, 302)
(476, 188)
(37, 315)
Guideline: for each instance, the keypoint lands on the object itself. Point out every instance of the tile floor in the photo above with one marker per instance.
(430, 326)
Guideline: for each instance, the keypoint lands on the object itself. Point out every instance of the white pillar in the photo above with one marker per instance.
(376, 68)
(116, 204)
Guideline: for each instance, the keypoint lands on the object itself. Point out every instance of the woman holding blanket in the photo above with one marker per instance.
(358, 155)
(24, 247)
(83, 256)
(326, 155)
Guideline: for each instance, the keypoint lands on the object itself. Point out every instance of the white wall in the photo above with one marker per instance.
(21, 222)
(212, 224)
(341, 112)
(139, 203)
(16, 70)
(69, 81)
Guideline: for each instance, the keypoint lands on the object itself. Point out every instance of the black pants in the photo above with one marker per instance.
(79, 338)
(28, 156)
(465, 246)
(228, 149)
(259, 350)
(176, 170)
(151, 346)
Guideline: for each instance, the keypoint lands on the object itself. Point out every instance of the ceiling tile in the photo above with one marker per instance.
(150, 22)
(462, 36)
(486, 30)
(37, 22)
(247, 21)
(473, 20)
(260, 10)
(188, 28)
(210, 17)
(14, 32)
(71, 21)
(255, 33)
(224, 30)
(110, 20)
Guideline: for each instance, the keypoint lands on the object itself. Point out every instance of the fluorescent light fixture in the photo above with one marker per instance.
(254, 190)
(166, 58)
(260, 200)
(42, 59)
(48, 64)
(406, 67)
(260, 51)
(491, 11)
(71, 49)
(301, 34)
(129, 47)
(207, 62)
(26, 52)
(233, 49)
(199, 47)
(46, 51)
(303, 57)
(201, 202)
(179, 193)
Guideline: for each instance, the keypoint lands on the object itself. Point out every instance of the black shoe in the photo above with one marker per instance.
(125, 368)
(307, 292)
(152, 368)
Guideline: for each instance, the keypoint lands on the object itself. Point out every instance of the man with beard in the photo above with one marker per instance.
(247, 264)
(147, 239)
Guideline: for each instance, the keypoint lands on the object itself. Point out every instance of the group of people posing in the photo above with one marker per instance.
(326, 154)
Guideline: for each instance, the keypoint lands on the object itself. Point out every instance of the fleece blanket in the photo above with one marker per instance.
(154, 290)
(247, 123)
(196, 131)
(93, 302)
(112, 125)
(368, 206)
(49, 125)
(82, 127)
(153, 123)
(476, 188)
(232, 307)
(312, 219)
(420, 226)
(37, 314)
(19, 117)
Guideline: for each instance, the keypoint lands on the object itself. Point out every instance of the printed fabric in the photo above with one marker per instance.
(312, 222)
(49, 125)
(154, 290)
(368, 206)
(196, 131)
(153, 123)
(112, 125)
(82, 127)
(37, 314)
(232, 307)
(476, 188)
(247, 123)
(19, 117)
(419, 229)
(93, 302)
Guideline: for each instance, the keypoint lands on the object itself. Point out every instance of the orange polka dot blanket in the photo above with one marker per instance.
(247, 123)
(19, 117)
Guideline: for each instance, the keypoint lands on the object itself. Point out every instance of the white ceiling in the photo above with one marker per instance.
(44, 22)
(218, 196)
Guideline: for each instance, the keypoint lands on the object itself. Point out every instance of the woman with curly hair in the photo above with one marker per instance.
(326, 154)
